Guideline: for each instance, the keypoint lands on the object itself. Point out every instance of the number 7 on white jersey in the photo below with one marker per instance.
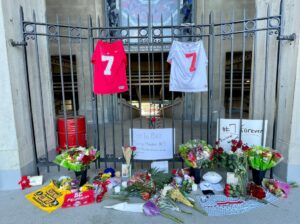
(110, 60)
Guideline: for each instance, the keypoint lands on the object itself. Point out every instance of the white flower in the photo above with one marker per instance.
(205, 154)
(165, 190)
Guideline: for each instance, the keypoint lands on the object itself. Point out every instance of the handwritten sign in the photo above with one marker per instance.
(252, 132)
(152, 144)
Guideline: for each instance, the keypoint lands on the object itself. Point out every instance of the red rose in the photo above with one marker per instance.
(86, 160)
(245, 148)
(239, 144)
(220, 150)
(174, 172)
(133, 148)
(233, 148)
(277, 155)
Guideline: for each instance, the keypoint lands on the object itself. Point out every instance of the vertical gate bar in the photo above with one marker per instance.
(72, 81)
(220, 77)
(149, 67)
(51, 80)
(202, 31)
(111, 35)
(162, 68)
(210, 77)
(130, 84)
(266, 75)
(277, 87)
(243, 77)
(104, 131)
(97, 111)
(231, 63)
(113, 128)
(41, 91)
(93, 96)
(102, 111)
(172, 101)
(153, 63)
(29, 94)
(253, 78)
(182, 117)
(192, 113)
(62, 80)
(81, 69)
(139, 71)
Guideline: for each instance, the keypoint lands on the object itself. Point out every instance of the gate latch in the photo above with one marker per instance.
(291, 37)
(17, 43)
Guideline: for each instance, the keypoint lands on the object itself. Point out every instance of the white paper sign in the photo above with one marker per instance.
(152, 144)
(161, 166)
(252, 132)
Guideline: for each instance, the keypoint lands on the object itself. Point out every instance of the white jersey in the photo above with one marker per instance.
(188, 67)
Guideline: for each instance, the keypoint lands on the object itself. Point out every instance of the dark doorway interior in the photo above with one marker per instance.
(234, 83)
(67, 86)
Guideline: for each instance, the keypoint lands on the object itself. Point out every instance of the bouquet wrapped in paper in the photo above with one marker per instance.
(263, 158)
(276, 187)
(77, 159)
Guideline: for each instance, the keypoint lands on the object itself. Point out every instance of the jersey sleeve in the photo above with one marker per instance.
(171, 53)
(96, 53)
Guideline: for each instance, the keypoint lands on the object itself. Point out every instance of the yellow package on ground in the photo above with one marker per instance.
(48, 198)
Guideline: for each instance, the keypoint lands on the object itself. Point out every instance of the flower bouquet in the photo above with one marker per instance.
(235, 162)
(276, 187)
(196, 153)
(146, 184)
(77, 159)
(263, 158)
(171, 194)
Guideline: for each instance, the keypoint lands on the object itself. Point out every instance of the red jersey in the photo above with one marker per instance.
(110, 63)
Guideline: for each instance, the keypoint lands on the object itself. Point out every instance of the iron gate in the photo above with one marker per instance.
(237, 88)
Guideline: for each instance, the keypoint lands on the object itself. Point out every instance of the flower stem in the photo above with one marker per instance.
(171, 217)
(200, 210)
(186, 212)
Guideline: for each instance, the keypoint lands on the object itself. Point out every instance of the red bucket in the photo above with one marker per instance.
(71, 129)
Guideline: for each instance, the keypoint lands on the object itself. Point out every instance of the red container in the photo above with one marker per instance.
(71, 130)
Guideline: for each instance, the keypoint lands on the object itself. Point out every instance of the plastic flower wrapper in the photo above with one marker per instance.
(77, 159)
(263, 158)
(276, 158)
(151, 209)
(254, 157)
(276, 187)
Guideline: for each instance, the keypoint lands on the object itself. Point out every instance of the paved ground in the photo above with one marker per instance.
(14, 208)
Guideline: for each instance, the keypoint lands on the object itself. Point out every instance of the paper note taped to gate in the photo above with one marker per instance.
(152, 144)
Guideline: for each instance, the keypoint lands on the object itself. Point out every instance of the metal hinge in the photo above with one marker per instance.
(291, 37)
(17, 43)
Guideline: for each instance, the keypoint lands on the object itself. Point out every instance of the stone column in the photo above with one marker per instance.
(287, 133)
(264, 68)
(16, 142)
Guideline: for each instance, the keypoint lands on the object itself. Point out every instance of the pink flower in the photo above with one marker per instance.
(191, 157)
